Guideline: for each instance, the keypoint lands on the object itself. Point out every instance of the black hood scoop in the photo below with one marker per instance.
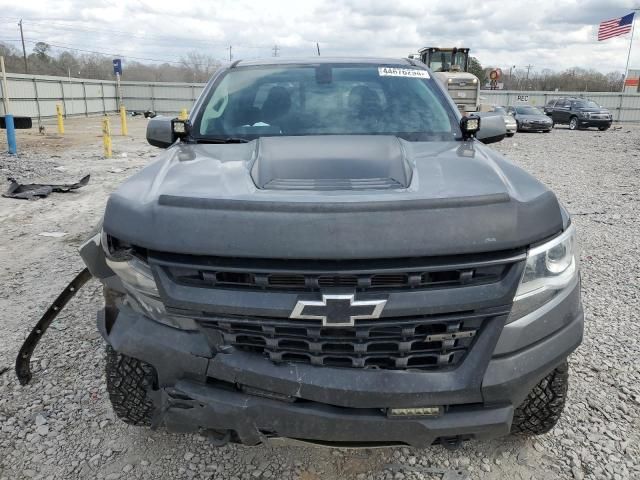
(330, 162)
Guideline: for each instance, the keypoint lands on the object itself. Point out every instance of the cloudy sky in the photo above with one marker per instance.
(553, 34)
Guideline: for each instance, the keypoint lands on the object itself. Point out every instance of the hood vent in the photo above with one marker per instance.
(331, 162)
(333, 184)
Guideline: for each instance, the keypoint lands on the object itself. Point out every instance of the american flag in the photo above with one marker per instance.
(615, 27)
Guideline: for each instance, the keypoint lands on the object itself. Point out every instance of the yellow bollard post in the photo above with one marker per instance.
(106, 137)
(60, 119)
(123, 121)
(184, 115)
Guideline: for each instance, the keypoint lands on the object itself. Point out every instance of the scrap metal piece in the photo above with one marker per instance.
(23, 371)
(31, 191)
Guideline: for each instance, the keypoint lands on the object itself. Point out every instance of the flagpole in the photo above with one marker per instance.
(626, 68)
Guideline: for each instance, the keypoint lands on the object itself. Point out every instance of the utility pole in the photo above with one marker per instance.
(529, 67)
(318, 48)
(626, 68)
(24, 51)
(230, 54)
(275, 49)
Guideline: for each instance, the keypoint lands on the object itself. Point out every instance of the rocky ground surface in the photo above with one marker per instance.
(61, 425)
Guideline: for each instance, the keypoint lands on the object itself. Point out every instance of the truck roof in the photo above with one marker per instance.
(317, 60)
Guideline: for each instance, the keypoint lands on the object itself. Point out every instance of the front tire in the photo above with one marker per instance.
(573, 123)
(543, 407)
(128, 381)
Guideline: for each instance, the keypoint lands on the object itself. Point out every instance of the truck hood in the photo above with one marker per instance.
(354, 197)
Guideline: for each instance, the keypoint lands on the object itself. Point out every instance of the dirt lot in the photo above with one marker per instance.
(62, 426)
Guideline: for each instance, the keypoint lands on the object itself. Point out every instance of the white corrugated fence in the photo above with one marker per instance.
(36, 96)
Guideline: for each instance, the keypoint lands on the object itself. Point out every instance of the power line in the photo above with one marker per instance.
(65, 26)
(63, 47)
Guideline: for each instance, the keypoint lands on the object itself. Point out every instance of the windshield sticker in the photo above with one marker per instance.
(402, 72)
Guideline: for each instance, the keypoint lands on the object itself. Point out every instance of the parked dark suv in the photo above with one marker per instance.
(578, 113)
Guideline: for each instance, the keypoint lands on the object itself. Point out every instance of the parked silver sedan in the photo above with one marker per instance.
(509, 121)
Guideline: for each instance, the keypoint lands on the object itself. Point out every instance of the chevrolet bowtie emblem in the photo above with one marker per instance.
(338, 310)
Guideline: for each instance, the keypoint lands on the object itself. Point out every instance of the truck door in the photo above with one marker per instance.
(561, 112)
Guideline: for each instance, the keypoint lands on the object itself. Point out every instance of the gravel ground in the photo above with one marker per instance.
(62, 426)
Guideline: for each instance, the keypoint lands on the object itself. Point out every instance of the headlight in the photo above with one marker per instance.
(550, 266)
(136, 275)
(549, 269)
(143, 296)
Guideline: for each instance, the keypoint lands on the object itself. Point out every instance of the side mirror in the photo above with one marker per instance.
(493, 129)
(159, 132)
(164, 131)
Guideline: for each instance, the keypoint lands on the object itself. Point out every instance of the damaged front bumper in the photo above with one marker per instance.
(190, 405)
(247, 398)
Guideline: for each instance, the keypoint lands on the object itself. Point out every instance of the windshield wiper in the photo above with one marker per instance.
(221, 140)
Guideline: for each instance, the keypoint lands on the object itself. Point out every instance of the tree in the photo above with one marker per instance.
(41, 49)
(475, 67)
(199, 66)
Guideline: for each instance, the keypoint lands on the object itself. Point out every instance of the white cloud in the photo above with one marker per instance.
(549, 34)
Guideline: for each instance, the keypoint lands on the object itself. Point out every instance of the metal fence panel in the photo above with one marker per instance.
(138, 104)
(74, 107)
(172, 106)
(173, 92)
(137, 91)
(48, 90)
(48, 107)
(21, 88)
(26, 107)
(93, 90)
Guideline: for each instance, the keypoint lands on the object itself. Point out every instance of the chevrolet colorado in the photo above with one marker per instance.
(327, 252)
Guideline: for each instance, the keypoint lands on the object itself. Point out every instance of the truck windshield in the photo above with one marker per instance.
(325, 99)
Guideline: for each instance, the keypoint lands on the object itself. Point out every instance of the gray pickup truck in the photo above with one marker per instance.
(327, 252)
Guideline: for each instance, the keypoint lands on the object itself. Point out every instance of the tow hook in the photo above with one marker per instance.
(23, 370)
(451, 443)
(218, 438)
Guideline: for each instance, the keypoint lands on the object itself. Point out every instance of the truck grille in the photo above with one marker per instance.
(360, 281)
(432, 336)
(422, 343)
